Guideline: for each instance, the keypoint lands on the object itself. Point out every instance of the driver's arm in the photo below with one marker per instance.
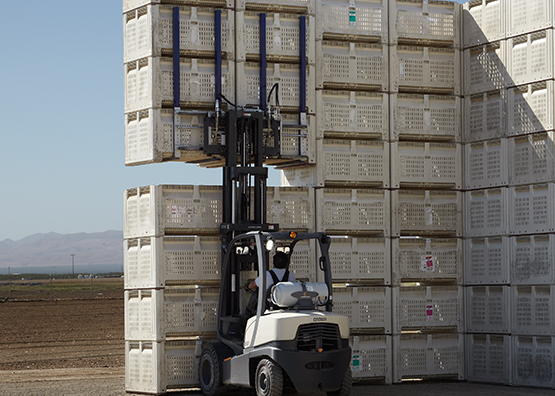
(252, 285)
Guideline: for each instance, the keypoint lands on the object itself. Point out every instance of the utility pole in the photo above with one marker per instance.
(72, 265)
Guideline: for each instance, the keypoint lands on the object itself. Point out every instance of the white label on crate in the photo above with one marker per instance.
(427, 263)
(427, 118)
(356, 363)
(430, 312)
(401, 69)
(428, 216)
(277, 40)
(352, 116)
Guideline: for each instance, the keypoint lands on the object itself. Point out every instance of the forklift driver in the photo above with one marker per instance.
(278, 274)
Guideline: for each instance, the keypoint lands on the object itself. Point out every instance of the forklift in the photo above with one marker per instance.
(284, 336)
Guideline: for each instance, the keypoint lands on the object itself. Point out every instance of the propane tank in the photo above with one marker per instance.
(288, 294)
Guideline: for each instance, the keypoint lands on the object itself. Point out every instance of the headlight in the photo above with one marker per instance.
(269, 244)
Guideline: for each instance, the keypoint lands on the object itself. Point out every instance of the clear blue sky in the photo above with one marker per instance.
(61, 120)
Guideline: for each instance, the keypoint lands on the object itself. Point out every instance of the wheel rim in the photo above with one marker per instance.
(263, 382)
(206, 372)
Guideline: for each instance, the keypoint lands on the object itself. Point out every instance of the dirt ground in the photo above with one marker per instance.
(76, 347)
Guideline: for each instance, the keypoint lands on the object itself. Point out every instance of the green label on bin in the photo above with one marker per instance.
(352, 18)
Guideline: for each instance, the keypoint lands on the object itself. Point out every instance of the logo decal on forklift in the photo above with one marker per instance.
(320, 319)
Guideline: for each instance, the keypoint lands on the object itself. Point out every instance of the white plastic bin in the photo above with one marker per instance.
(425, 70)
(426, 117)
(532, 259)
(487, 212)
(368, 308)
(428, 355)
(363, 20)
(154, 367)
(350, 65)
(360, 260)
(429, 259)
(422, 164)
(426, 21)
(148, 31)
(417, 307)
(426, 212)
(533, 310)
(483, 22)
(533, 361)
(486, 261)
(485, 68)
(156, 314)
(532, 209)
(344, 163)
(353, 211)
(289, 6)
(530, 57)
(531, 108)
(129, 5)
(487, 164)
(291, 207)
(148, 82)
(489, 358)
(526, 16)
(352, 114)
(282, 37)
(485, 116)
(532, 158)
(488, 309)
(371, 357)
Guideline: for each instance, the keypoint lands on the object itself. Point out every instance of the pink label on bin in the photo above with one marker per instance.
(429, 311)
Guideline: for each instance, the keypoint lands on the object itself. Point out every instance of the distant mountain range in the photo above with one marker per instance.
(54, 250)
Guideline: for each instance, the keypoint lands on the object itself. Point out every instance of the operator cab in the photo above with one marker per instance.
(247, 257)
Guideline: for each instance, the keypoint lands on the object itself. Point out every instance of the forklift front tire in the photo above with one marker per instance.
(210, 373)
(346, 385)
(269, 379)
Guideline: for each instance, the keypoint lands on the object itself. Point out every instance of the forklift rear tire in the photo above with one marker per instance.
(209, 372)
(269, 379)
(346, 385)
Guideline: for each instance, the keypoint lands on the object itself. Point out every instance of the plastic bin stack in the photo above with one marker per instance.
(426, 179)
(509, 198)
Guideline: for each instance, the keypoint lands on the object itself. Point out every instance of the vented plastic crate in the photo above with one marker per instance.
(282, 37)
(363, 20)
(532, 310)
(426, 117)
(483, 22)
(526, 16)
(487, 212)
(533, 361)
(371, 357)
(149, 137)
(485, 68)
(488, 358)
(171, 209)
(531, 108)
(429, 22)
(425, 70)
(532, 259)
(485, 116)
(418, 307)
(291, 207)
(285, 75)
(148, 31)
(488, 309)
(349, 65)
(353, 211)
(422, 212)
(154, 367)
(344, 163)
(428, 355)
(352, 115)
(290, 6)
(430, 259)
(486, 260)
(532, 209)
(361, 260)
(368, 308)
(530, 57)
(148, 82)
(298, 142)
(421, 164)
(153, 262)
(129, 5)
(532, 158)
(486, 164)
(156, 314)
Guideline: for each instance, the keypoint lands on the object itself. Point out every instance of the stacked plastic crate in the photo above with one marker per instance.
(171, 247)
(509, 175)
(350, 176)
(426, 179)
